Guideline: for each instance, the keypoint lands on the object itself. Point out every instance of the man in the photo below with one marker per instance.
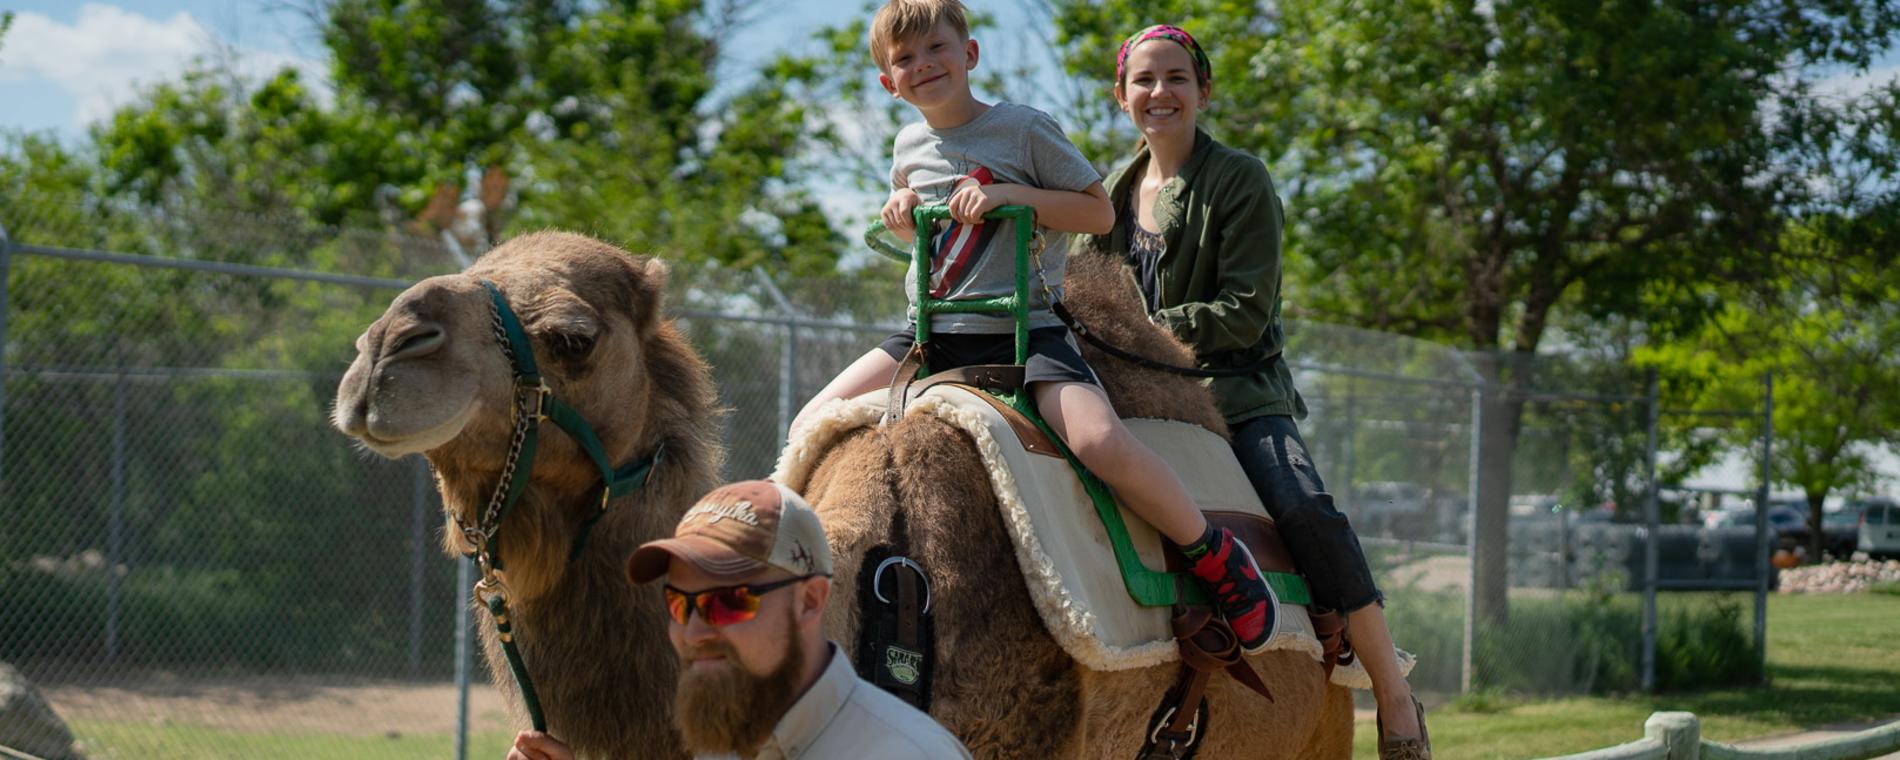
(748, 573)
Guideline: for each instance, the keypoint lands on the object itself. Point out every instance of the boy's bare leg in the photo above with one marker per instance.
(1372, 644)
(870, 372)
(1082, 417)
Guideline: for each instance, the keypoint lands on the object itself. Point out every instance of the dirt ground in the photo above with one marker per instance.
(277, 704)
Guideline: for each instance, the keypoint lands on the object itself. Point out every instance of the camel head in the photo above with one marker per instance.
(431, 376)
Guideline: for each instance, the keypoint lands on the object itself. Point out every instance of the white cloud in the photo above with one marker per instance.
(108, 54)
(1852, 84)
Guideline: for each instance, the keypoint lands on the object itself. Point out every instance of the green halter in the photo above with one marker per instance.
(533, 402)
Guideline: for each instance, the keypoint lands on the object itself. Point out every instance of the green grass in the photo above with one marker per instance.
(1831, 659)
(114, 740)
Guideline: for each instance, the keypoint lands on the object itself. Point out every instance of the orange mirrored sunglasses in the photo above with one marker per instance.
(723, 606)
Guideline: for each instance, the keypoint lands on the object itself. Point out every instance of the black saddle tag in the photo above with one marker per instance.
(896, 633)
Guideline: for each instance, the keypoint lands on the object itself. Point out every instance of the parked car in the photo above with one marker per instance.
(1790, 526)
(1840, 529)
(1880, 528)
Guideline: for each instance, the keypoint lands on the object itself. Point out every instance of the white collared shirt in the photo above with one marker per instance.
(844, 716)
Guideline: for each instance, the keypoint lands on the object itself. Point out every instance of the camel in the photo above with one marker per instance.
(430, 378)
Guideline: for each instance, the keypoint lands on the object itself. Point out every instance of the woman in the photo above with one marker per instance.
(1200, 223)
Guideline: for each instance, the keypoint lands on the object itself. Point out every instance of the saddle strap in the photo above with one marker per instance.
(977, 378)
(1174, 732)
(1208, 645)
(899, 394)
(896, 648)
(905, 385)
(1330, 628)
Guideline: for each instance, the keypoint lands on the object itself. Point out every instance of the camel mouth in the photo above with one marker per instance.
(394, 445)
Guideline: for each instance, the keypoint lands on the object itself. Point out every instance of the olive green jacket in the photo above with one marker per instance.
(1219, 277)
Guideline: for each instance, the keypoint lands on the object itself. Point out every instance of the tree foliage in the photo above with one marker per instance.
(1827, 326)
(602, 117)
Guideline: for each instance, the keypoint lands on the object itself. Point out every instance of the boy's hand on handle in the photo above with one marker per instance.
(897, 211)
(534, 745)
(972, 201)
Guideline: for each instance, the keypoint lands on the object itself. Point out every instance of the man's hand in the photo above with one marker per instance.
(972, 201)
(534, 745)
(897, 211)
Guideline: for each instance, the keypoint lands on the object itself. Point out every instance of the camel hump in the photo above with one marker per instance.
(1066, 555)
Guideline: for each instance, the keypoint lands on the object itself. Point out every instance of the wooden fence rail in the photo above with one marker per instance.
(1678, 736)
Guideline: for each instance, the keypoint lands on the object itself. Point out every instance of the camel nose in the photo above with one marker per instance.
(415, 340)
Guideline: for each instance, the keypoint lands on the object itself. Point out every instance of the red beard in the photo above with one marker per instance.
(732, 710)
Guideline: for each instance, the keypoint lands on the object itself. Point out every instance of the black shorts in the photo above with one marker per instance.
(1053, 356)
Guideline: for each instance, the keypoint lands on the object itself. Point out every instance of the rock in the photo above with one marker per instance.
(1839, 577)
(27, 722)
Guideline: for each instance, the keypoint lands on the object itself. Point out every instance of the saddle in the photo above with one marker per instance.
(1062, 548)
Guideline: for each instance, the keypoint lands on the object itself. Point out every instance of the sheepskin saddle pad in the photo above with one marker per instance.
(1060, 543)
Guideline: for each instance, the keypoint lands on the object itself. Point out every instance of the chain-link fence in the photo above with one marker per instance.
(193, 564)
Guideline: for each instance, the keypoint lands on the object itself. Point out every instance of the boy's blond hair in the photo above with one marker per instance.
(904, 19)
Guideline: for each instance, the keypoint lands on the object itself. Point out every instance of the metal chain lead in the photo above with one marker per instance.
(477, 536)
(501, 332)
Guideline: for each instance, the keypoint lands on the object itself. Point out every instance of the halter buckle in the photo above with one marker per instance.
(533, 399)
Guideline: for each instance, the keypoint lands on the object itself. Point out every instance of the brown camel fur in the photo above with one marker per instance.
(430, 377)
(1003, 685)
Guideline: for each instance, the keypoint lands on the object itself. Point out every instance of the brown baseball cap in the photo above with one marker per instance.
(737, 530)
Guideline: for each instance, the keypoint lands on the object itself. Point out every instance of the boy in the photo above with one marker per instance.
(975, 157)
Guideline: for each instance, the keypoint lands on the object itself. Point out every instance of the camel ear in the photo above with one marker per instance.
(649, 290)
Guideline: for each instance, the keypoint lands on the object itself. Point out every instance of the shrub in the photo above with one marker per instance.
(1577, 643)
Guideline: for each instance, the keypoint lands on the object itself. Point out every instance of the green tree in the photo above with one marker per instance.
(1827, 324)
(210, 143)
(607, 112)
(1471, 171)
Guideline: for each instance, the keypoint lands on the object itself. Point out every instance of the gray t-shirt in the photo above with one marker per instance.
(1007, 144)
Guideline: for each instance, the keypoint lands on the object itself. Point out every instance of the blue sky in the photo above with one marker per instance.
(68, 63)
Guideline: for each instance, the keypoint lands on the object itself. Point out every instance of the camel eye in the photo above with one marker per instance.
(571, 345)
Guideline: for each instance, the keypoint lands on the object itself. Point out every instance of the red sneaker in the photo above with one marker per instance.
(1241, 593)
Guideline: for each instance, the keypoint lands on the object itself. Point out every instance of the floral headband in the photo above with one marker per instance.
(1166, 32)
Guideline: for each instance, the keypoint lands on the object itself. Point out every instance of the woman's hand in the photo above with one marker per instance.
(972, 201)
(897, 211)
(534, 745)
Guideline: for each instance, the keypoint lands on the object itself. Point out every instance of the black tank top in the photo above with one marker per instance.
(1144, 254)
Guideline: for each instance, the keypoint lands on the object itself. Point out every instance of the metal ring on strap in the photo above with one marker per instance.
(877, 578)
(1193, 727)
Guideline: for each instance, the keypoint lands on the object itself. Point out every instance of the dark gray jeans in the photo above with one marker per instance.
(1319, 537)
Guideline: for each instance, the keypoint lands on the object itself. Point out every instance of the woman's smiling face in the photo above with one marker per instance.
(1159, 90)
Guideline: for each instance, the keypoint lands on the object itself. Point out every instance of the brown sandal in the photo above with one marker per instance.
(1419, 748)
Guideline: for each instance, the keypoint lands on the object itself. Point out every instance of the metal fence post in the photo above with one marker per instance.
(418, 540)
(464, 579)
(6, 266)
(1469, 645)
(1761, 519)
(1652, 522)
(787, 366)
(1351, 448)
(115, 524)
